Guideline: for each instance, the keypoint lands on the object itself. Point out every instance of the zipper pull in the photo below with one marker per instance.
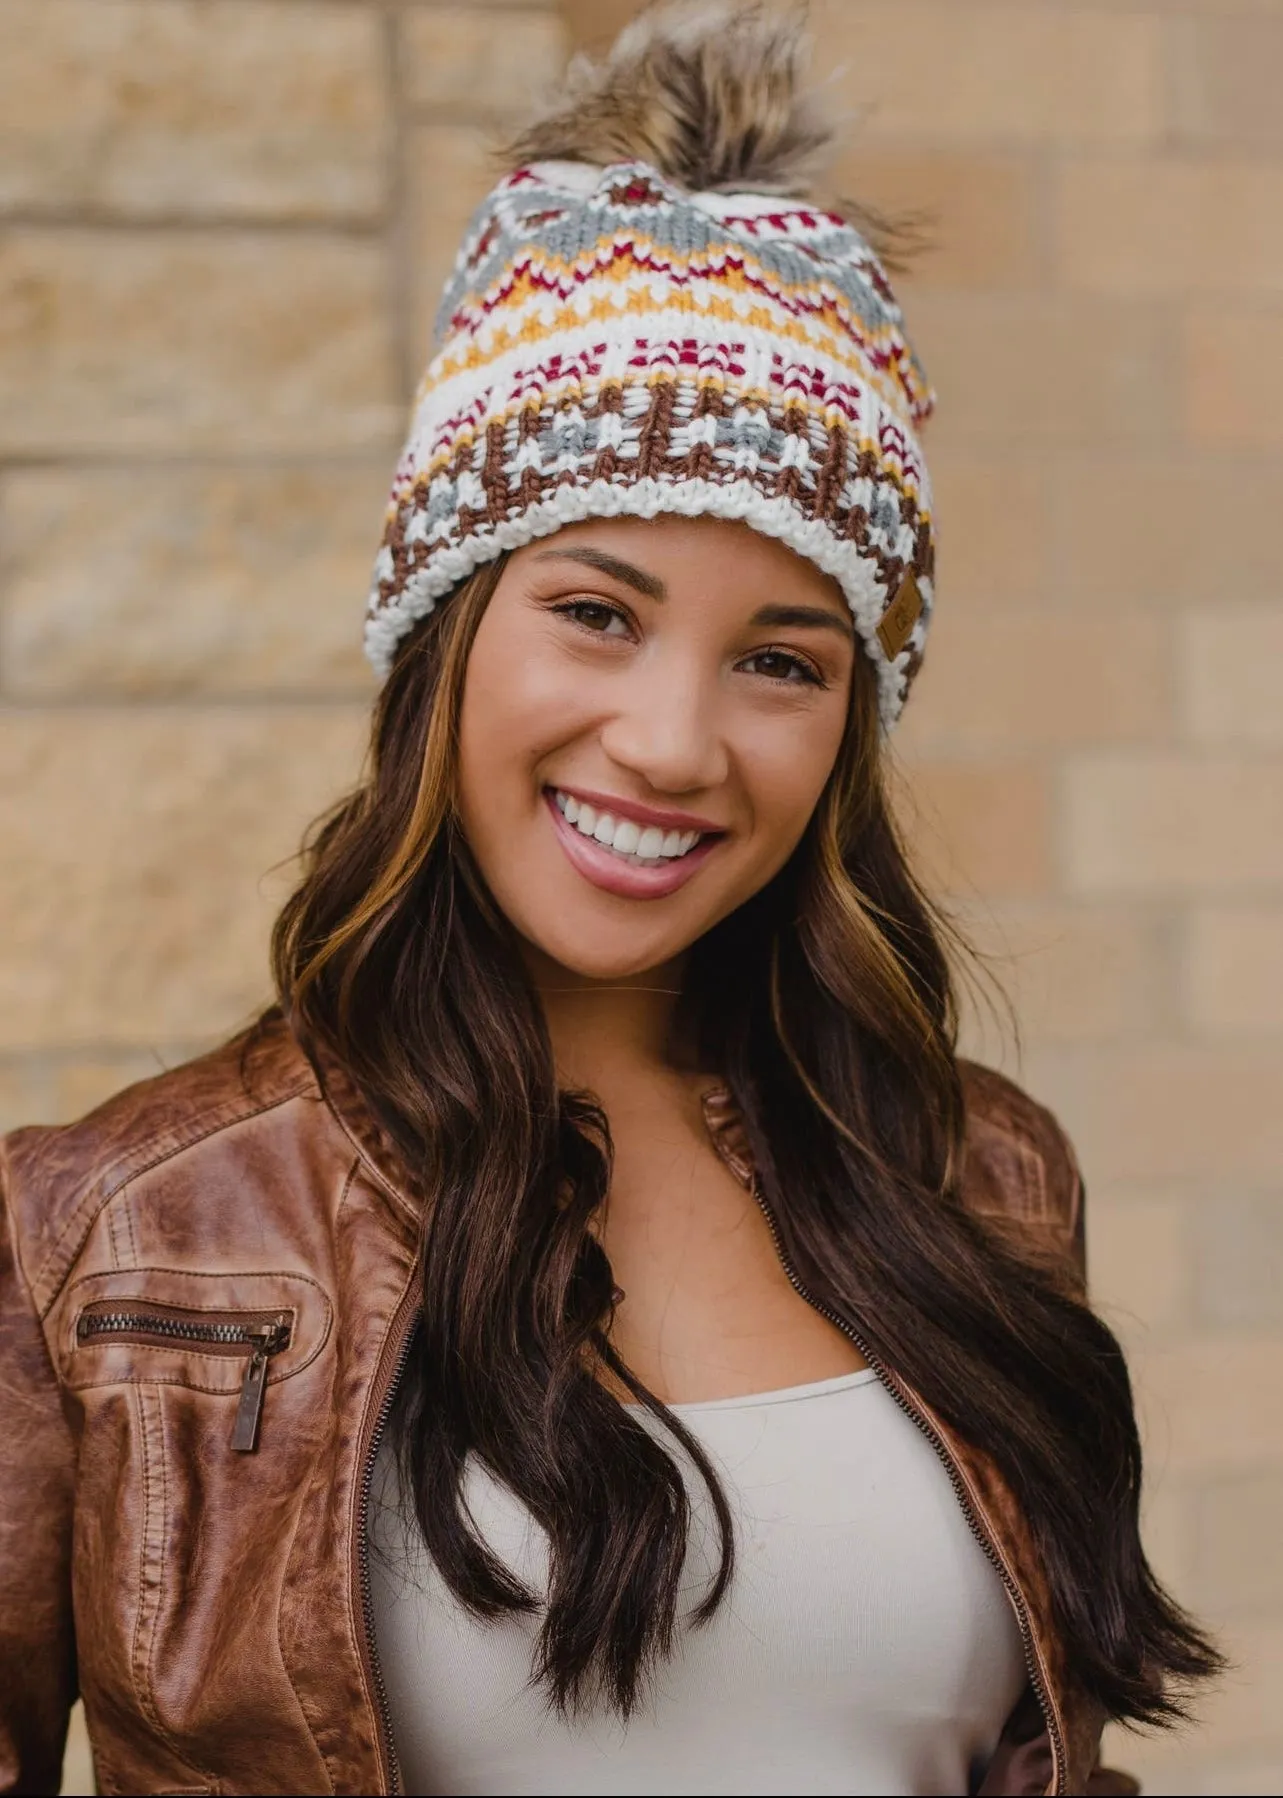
(250, 1409)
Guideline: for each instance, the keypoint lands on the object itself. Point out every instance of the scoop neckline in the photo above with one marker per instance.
(779, 1395)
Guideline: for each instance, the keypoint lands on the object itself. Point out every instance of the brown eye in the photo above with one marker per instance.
(595, 615)
(782, 666)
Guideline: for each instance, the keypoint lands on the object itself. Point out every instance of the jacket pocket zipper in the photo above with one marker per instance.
(256, 1334)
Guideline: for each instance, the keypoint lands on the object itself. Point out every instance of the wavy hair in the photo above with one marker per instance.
(825, 1004)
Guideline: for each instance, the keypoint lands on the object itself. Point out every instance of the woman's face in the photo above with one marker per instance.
(650, 712)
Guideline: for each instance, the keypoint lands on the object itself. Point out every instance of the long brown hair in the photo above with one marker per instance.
(825, 1004)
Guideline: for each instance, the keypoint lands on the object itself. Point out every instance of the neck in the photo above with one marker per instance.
(606, 1033)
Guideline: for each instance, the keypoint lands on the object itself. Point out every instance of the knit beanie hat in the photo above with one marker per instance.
(645, 317)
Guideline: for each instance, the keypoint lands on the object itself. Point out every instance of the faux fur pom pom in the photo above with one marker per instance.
(709, 92)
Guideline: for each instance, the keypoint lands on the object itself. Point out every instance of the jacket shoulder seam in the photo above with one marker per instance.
(1039, 1142)
(101, 1192)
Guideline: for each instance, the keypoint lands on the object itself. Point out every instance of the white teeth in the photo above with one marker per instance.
(625, 837)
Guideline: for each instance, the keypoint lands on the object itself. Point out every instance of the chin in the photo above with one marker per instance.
(608, 962)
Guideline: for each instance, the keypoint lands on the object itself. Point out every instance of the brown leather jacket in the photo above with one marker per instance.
(206, 1292)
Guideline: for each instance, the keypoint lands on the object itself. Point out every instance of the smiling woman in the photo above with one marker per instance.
(594, 1333)
(633, 665)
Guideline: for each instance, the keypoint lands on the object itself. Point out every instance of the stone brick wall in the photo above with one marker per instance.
(223, 224)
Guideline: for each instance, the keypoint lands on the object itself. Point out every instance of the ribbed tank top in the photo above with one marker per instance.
(866, 1644)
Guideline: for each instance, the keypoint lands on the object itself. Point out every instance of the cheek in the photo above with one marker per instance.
(785, 769)
(519, 703)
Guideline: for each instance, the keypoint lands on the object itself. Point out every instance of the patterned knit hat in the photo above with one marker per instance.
(665, 334)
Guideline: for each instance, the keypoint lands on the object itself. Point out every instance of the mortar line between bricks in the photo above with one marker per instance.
(187, 705)
(364, 228)
(398, 230)
(153, 461)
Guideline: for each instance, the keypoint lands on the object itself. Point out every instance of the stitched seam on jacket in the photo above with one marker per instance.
(143, 1681)
(112, 1183)
(289, 1547)
(280, 1649)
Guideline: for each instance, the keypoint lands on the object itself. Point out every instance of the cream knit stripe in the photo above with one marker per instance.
(772, 366)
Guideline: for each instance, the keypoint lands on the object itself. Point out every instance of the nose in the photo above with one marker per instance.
(666, 728)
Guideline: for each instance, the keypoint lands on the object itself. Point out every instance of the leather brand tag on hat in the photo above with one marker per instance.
(900, 617)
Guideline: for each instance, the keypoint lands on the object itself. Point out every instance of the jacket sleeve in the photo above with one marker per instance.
(37, 1462)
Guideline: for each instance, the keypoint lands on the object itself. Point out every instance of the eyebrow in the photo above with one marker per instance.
(782, 616)
(614, 566)
(807, 617)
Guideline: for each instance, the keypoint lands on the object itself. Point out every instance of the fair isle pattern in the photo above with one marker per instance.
(610, 345)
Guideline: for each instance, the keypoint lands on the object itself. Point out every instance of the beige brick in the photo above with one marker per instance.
(993, 517)
(1140, 1262)
(469, 59)
(53, 1089)
(79, 1084)
(1024, 677)
(932, 71)
(1225, 79)
(147, 107)
(1231, 663)
(1167, 528)
(1213, 1404)
(1043, 370)
(1163, 1113)
(1170, 227)
(186, 580)
(976, 214)
(1232, 969)
(1172, 1766)
(24, 1092)
(1173, 824)
(1184, 1765)
(592, 24)
(1239, 1259)
(452, 168)
(1238, 1550)
(154, 830)
(1233, 378)
(1075, 973)
(984, 827)
(1243, 1710)
(1167, 1529)
(148, 341)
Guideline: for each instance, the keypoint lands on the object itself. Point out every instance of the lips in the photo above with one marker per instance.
(623, 835)
(624, 872)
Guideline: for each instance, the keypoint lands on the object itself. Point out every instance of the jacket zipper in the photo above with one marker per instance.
(382, 1704)
(260, 1334)
(879, 1367)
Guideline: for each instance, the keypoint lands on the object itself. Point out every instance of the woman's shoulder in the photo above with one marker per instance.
(215, 1125)
(1020, 1166)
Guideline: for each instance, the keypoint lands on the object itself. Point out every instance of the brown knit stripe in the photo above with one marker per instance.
(816, 492)
(656, 431)
(494, 475)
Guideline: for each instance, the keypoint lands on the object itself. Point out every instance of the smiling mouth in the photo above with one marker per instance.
(636, 845)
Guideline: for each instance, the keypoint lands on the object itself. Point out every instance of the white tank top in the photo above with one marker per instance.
(866, 1644)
